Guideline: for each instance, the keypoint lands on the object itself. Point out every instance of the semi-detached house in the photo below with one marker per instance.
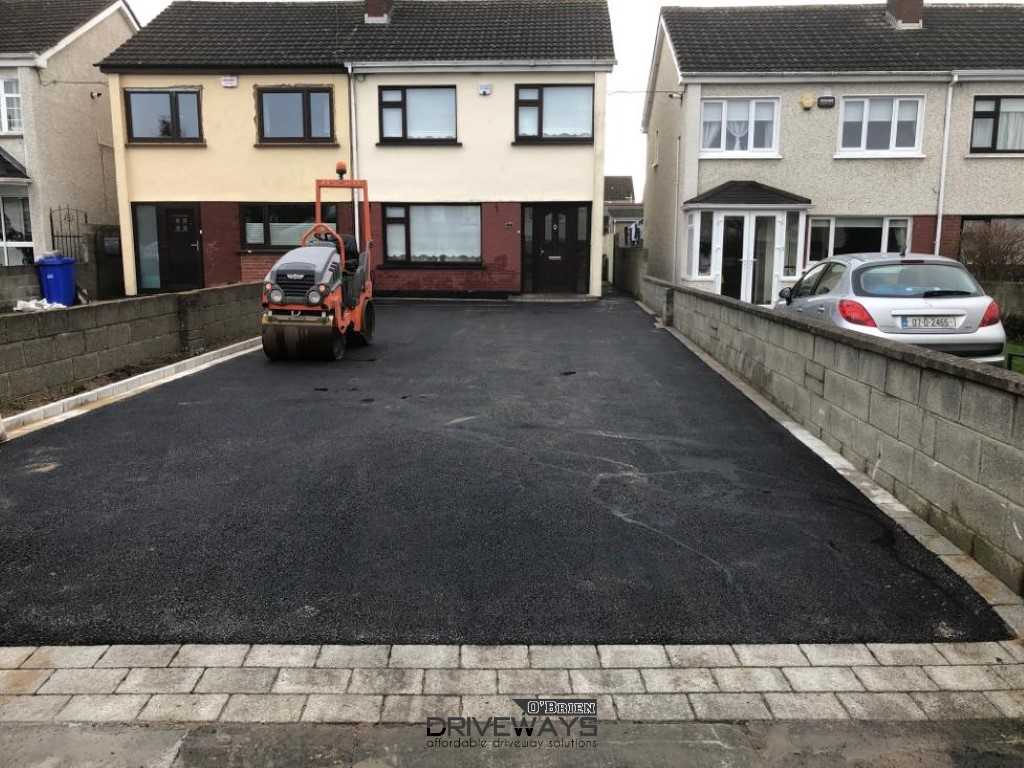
(778, 136)
(479, 125)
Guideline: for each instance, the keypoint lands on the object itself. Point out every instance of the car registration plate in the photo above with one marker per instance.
(924, 322)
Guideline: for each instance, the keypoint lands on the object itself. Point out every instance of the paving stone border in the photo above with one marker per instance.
(125, 683)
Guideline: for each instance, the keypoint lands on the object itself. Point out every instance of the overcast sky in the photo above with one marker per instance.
(634, 23)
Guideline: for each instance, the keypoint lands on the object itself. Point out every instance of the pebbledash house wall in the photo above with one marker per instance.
(944, 435)
(976, 184)
(229, 168)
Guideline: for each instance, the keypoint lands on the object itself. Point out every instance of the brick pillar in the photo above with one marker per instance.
(922, 239)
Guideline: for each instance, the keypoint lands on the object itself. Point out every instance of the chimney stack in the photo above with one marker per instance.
(905, 14)
(378, 11)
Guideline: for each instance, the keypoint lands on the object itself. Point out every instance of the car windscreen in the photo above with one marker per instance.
(921, 280)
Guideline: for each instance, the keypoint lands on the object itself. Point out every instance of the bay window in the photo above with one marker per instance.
(743, 126)
(885, 124)
(998, 124)
(555, 113)
(15, 232)
(425, 114)
(10, 106)
(432, 234)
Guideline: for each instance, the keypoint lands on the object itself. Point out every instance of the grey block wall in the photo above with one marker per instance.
(55, 352)
(945, 436)
(18, 284)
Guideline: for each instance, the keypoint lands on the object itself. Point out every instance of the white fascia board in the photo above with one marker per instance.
(12, 60)
(523, 65)
(1004, 75)
(116, 7)
(662, 36)
(745, 207)
(805, 77)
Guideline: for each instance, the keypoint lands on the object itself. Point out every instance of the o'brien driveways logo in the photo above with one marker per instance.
(545, 724)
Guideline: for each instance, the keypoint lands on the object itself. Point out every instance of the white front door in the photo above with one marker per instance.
(749, 250)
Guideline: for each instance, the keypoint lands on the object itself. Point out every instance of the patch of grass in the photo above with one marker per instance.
(1017, 347)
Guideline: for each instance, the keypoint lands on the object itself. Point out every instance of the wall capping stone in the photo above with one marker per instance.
(999, 378)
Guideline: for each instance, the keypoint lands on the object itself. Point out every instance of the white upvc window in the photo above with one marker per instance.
(881, 126)
(739, 127)
(15, 232)
(838, 235)
(10, 106)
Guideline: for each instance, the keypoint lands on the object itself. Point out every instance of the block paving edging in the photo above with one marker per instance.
(397, 684)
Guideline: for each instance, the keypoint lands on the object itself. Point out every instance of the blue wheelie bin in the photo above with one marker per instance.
(57, 279)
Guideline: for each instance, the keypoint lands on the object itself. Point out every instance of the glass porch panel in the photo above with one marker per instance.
(764, 259)
(148, 239)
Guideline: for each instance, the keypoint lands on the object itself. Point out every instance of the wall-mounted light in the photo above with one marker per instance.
(486, 89)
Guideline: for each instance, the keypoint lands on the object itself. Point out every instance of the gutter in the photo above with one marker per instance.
(954, 78)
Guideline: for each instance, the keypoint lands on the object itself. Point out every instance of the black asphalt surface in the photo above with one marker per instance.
(489, 473)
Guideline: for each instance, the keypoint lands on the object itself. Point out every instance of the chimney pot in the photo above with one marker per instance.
(906, 13)
(378, 11)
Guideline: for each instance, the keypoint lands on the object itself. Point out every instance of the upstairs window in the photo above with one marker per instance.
(10, 106)
(171, 116)
(555, 113)
(296, 114)
(739, 126)
(881, 125)
(410, 115)
(998, 124)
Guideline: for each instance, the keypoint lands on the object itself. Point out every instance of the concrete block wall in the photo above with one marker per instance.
(945, 436)
(18, 284)
(57, 351)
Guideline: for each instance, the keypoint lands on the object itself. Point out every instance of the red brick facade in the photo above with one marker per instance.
(499, 273)
(225, 260)
(923, 236)
(220, 226)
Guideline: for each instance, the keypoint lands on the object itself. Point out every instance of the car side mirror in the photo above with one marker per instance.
(786, 294)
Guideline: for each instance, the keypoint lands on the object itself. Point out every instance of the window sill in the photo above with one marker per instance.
(420, 143)
(192, 144)
(552, 142)
(700, 279)
(739, 156)
(431, 265)
(879, 156)
(992, 155)
(296, 143)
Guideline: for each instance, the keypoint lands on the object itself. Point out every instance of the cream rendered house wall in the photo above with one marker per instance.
(662, 192)
(808, 143)
(488, 167)
(981, 184)
(229, 166)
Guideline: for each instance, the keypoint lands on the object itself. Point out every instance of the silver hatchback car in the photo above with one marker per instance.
(929, 301)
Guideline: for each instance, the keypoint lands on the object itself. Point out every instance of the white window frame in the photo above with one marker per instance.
(5, 261)
(771, 152)
(5, 124)
(886, 223)
(892, 151)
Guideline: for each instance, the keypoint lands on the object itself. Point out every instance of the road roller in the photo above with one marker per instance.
(318, 298)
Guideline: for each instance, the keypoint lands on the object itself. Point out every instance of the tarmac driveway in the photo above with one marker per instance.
(484, 473)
